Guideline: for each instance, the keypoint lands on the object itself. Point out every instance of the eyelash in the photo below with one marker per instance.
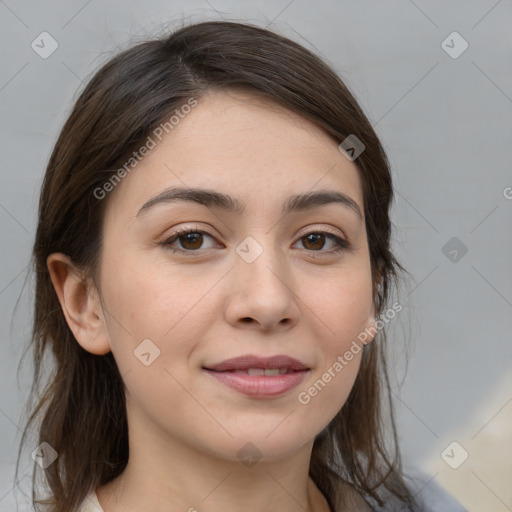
(342, 244)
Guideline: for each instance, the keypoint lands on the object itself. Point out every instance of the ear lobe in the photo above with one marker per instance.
(80, 304)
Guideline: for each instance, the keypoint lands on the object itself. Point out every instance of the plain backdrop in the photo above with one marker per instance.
(444, 114)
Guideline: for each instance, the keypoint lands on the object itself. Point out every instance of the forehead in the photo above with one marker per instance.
(243, 145)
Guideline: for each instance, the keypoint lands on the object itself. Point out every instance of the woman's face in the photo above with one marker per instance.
(262, 274)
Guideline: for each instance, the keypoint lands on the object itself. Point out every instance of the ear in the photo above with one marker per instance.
(371, 323)
(80, 304)
(371, 328)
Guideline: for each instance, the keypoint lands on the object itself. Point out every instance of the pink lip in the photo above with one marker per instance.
(259, 386)
(230, 373)
(248, 361)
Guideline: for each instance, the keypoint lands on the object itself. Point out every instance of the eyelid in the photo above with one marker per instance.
(180, 230)
(343, 244)
(324, 229)
(175, 235)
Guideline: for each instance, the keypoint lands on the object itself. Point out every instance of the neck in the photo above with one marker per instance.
(169, 476)
(225, 489)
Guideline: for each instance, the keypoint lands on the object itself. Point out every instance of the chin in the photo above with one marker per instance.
(272, 443)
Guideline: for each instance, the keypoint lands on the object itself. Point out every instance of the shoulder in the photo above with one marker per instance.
(433, 498)
(430, 495)
(90, 504)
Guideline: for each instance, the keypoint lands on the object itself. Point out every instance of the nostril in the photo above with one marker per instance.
(247, 319)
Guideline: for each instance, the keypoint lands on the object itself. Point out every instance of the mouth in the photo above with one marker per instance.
(275, 365)
(259, 377)
(267, 372)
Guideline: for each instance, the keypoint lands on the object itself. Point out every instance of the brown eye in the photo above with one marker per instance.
(191, 241)
(314, 241)
(323, 243)
(188, 240)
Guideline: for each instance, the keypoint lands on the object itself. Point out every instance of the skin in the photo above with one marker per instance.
(206, 306)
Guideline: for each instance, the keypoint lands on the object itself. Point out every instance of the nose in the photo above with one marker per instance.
(261, 294)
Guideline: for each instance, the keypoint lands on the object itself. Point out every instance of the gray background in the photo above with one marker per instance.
(446, 124)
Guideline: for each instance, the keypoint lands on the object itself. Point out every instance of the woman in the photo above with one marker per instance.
(213, 272)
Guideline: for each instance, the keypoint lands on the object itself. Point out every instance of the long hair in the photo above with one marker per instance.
(81, 412)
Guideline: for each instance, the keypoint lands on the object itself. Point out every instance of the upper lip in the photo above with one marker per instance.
(247, 362)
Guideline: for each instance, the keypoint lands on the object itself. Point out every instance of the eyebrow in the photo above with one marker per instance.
(212, 198)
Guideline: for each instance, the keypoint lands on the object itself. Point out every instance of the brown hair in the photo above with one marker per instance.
(81, 411)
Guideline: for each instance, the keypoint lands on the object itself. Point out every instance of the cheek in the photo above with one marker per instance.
(324, 396)
(147, 299)
(342, 306)
(170, 308)
(152, 335)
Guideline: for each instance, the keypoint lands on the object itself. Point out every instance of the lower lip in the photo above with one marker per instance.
(260, 386)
